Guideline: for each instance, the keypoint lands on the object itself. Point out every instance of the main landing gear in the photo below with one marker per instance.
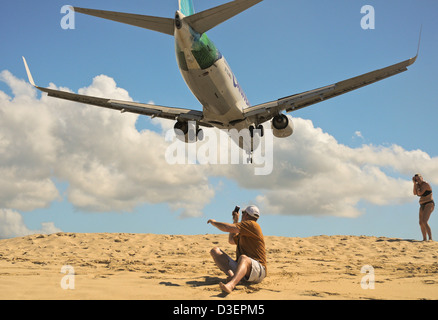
(260, 130)
(255, 133)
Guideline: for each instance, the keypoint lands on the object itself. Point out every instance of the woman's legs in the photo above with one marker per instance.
(425, 212)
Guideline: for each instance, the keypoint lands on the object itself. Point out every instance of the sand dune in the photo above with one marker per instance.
(147, 266)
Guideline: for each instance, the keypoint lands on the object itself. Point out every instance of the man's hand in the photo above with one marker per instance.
(235, 217)
(212, 221)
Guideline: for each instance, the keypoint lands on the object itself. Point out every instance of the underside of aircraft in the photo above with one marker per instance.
(211, 80)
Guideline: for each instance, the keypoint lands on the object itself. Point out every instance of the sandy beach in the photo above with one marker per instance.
(173, 267)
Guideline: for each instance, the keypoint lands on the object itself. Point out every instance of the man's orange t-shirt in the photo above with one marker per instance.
(250, 241)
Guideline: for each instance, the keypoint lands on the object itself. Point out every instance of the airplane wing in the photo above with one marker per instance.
(124, 106)
(266, 111)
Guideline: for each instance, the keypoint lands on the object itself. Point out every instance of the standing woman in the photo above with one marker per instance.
(427, 205)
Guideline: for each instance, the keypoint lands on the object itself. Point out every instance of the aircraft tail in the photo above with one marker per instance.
(186, 7)
(200, 22)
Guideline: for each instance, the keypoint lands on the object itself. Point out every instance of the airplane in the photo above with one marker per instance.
(209, 77)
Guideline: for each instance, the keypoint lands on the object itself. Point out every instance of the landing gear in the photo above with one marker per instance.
(260, 129)
(249, 159)
(255, 134)
(200, 134)
(188, 132)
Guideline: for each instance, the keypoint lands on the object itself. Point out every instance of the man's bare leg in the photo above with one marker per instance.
(221, 259)
(244, 266)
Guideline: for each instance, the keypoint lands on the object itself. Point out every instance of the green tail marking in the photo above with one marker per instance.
(186, 7)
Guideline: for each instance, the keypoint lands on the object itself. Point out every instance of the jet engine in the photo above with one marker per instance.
(188, 131)
(282, 126)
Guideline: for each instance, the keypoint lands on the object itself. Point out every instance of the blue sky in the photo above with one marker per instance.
(376, 138)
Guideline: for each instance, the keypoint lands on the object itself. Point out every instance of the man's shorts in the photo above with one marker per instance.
(258, 272)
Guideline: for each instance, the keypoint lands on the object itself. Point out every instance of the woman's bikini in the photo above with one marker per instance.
(425, 194)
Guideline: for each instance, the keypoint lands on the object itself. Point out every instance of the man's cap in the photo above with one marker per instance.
(253, 211)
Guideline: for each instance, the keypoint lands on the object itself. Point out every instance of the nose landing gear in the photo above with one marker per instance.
(249, 159)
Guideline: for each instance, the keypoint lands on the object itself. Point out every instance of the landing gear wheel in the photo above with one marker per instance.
(262, 130)
(200, 134)
(251, 131)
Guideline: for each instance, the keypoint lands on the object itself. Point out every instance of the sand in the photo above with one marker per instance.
(173, 267)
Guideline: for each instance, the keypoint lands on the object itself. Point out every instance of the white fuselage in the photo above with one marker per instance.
(210, 79)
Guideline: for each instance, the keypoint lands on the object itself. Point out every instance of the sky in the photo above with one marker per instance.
(346, 170)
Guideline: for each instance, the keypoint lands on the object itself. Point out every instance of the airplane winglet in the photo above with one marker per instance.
(414, 59)
(419, 40)
(29, 75)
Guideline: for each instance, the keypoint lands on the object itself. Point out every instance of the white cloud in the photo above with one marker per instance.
(12, 225)
(27, 148)
(316, 175)
(107, 163)
(110, 166)
(358, 134)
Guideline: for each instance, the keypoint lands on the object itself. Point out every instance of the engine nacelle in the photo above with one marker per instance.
(282, 126)
(188, 132)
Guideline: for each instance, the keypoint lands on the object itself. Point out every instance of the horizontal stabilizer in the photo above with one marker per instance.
(203, 21)
(163, 25)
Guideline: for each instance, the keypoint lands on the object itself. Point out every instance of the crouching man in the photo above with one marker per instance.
(250, 251)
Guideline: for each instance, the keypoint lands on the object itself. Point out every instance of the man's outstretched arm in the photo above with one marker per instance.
(223, 226)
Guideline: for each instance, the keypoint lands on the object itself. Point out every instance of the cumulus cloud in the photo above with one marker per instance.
(27, 148)
(12, 225)
(316, 175)
(107, 163)
(110, 166)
